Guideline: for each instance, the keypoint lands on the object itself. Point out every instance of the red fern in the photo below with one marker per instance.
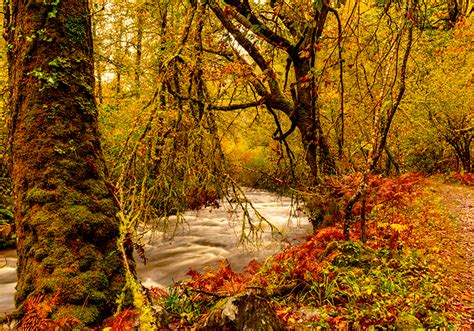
(38, 310)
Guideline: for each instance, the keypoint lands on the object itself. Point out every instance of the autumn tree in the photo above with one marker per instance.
(442, 106)
(380, 70)
(276, 50)
(65, 210)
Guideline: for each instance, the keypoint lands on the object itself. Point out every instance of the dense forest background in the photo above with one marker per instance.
(271, 95)
(186, 107)
(312, 99)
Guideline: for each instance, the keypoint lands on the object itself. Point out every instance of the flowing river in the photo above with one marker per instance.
(207, 236)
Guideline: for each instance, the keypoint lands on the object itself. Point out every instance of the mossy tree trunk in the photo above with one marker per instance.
(65, 211)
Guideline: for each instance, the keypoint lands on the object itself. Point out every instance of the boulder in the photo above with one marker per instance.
(243, 312)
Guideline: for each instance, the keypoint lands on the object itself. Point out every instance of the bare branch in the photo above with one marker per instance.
(248, 19)
(276, 99)
(401, 92)
(230, 107)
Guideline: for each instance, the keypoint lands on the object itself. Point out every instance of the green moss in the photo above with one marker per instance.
(78, 198)
(85, 105)
(53, 224)
(77, 214)
(95, 279)
(24, 288)
(96, 188)
(76, 28)
(96, 282)
(50, 263)
(41, 254)
(88, 315)
(104, 226)
(108, 207)
(37, 195)
(405, 321)
(48, 285)
(42, 217)
(87, 257)
(112, 264)
(74, 292)
(69, 165)
(79, 220)
(29, 242)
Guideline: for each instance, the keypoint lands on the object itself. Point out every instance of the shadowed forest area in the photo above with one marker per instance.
(118, 117)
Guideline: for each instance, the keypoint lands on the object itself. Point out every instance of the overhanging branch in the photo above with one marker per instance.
(231, 107)
(247, 18)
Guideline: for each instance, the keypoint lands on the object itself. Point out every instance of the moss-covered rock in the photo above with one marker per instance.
(243, 312)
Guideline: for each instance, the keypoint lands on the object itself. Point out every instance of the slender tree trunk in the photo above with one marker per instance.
(138, 54)
(65, 212)
(118, 83)
(454, 11)
(100, 91)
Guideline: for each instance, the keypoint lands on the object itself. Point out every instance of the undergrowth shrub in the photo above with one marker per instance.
(325, 283)
(460, 178)
(332, 283)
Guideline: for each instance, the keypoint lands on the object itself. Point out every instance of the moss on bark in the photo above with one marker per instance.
(64, 212)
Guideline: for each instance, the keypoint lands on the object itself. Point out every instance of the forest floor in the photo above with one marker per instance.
(416, 270)
(459, 202)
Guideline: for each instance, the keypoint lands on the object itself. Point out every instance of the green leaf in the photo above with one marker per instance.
(318, 5)
(6, 214)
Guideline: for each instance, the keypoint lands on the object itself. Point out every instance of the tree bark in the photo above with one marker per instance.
(65, 212)
(462, 150)
(317, 154)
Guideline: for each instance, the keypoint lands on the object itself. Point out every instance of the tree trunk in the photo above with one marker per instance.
(317, 153)
(65, 212)
(138, 48)
(462, 150)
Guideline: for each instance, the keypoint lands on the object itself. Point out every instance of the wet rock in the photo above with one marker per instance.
(160, 314)
(243, 312)
(7, 323)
